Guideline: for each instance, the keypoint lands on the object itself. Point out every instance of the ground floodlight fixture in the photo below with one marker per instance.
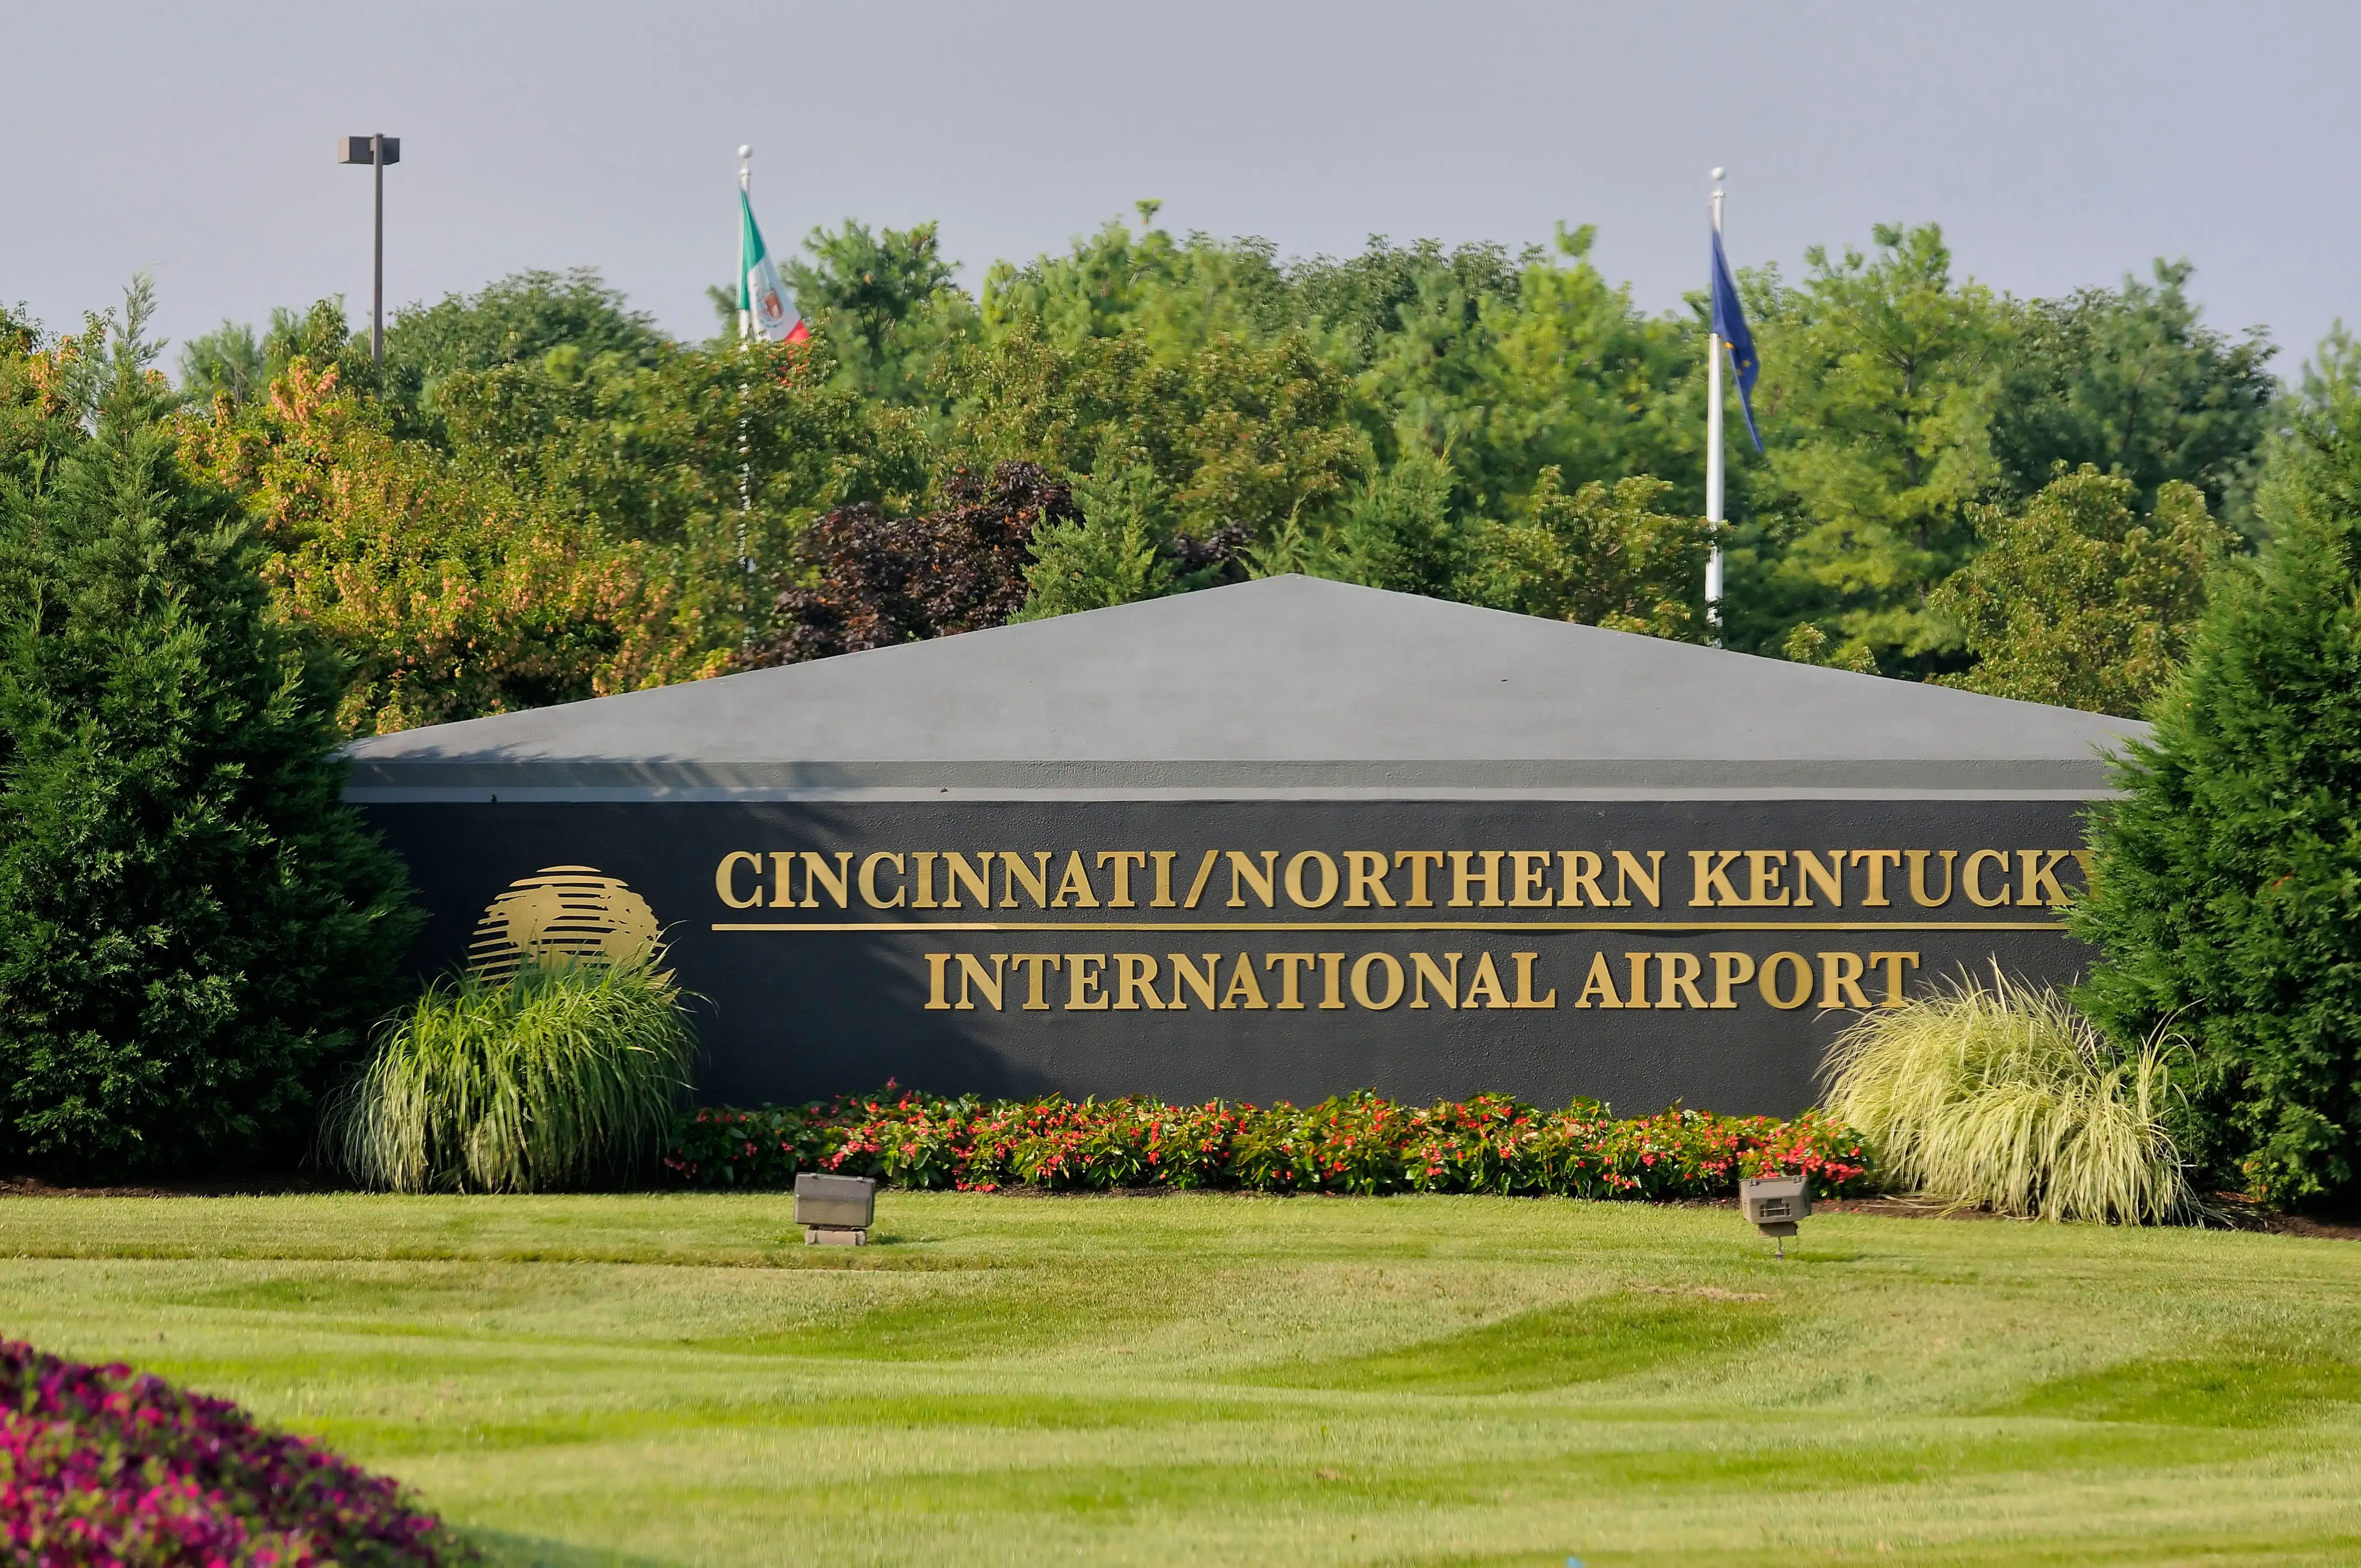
(835, 1210)
(377, 150)
(1773, 1203)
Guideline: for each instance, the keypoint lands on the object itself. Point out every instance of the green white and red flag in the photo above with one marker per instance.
(763, 304)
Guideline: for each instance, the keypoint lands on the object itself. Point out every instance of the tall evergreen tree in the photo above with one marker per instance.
(2226, 892)
(195, 929)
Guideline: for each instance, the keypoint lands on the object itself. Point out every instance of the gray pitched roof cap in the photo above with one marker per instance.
(1287, 686)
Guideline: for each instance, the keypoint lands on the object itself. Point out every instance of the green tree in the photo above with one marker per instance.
(1113, 554)
(887, 307)
(2077, 600)
(194, 930)
(2129, 379)
(1602, 556)
(1878, 376)
(515, 321)
(231, 363)
(2226, 889)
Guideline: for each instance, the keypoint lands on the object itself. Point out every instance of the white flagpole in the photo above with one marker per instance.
(1713, 459)
(745, 438)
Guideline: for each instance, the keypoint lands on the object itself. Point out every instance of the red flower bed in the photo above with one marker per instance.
(1355, 1143)
(100, 1467)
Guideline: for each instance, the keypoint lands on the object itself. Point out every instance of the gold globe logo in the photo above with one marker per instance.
(563, 914)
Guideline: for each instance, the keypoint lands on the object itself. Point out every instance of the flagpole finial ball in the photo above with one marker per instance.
(1716, 176)
(749, 152)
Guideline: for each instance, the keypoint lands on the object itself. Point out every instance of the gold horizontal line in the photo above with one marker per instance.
(1508, 925)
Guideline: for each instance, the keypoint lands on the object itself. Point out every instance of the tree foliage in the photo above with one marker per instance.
(193, 929)
(872, 580)
(2226, 893)
(2077, 600)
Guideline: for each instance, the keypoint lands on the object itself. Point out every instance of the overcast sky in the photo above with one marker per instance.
(2059, 143)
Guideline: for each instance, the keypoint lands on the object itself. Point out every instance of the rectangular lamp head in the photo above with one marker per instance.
(355, 150)
(835, 1202)
(1775, 1201)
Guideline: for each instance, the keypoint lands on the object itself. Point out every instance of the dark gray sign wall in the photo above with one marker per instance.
(1558, 972)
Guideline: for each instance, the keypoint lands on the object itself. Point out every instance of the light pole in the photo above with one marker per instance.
(376, 152)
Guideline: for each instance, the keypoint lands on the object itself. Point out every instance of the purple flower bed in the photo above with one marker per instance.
(103, 1467)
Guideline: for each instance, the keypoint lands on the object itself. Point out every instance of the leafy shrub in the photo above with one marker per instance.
(562, 1075)
(195, 928)
(102, 1466)
(2007, 1097)
(1356, 1143)
(2226, 889)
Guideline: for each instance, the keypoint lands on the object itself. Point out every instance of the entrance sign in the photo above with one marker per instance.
(1280, 839)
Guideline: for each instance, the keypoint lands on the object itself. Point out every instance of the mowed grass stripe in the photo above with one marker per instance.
(1209, 1378)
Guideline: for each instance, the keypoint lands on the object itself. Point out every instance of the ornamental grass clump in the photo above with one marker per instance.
(2005, 1096)
(563, 1075)
(100, 1466)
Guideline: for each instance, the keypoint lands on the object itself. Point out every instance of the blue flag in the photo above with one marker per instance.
(1730, 325)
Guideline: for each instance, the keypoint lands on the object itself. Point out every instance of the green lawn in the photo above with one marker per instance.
(1233, 1380)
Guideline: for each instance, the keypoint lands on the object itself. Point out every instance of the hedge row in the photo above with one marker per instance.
(1356, 1143)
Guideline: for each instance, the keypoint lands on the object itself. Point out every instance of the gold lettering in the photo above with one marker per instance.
(1243, 983)
(1628, 875)
(1876, 860)
(1163, 859)
(1361, 980)
(2039, 875)
(1972, 877)
(1582, 869)
(1241, 869)
(783, 879)
(1418, 861)
(1768, 982)
(1331, 975)
(925, 898)
(1134, 984)
(1013, 871)
(1295, 880)
(1082, 982)
(1123, 860)
(1766, 868)
(1528, 878)
(1525, 997)
(936, 1001)
(1290, 967)
(1461, 877)
(1423, 972)
(724, 882)
(1828, 879)
(1600, 984)
(869, 881)
(1036, 1000)
(1894, 962)
(1204, 875)
(976, 878)
(1841, 981)
(1485, 981)
(1918, 878)
(1678, 972)
(1639, 965)
(1365, 873)
(816, 876)
(1185, 974)
(1075, 883)
(1729, 969)
(972, 973)
(1712, 876)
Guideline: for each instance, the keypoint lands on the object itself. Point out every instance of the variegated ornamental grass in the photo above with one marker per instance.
(2005, 1096)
